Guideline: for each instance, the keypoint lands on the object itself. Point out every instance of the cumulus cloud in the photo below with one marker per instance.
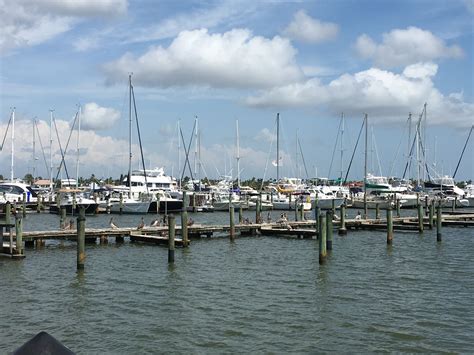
(402, 47)
(266, 136)
(95, 117)
(198, 58)
(31, 22)
(307, 29)
(383, 94)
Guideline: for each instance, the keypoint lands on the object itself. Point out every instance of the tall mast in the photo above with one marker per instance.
(12, 173)
(238, 153)
(130, 135)
(409, 146)
(77, 145)
(196, 147)
(365, 165)
(342, 147)
(296, 155)
(51, 150)
(179, 150)
(278, 147)
(34, 149)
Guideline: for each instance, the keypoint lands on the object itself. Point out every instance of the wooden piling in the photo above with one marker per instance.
(184, 221)
(258, 214)
(389, 226)
(377, 211)
(8, 212)
(38, 204)
(398, 208)
(317, 213)
(231, 223)
(19, 235)
(121, 202)
(103, 239)
(171, 234)
(62, 218)
(438, 222)
(453, 207)
(431, 214)
(241, 214)
(420, 218)
(426, 206)
(329, 231)
(302, 213)
(342, 228)
(322, 239)
(333, 207)
(296, 210)
(81, 238)
(23, 205)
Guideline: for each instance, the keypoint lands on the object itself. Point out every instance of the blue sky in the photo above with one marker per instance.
(245, 60)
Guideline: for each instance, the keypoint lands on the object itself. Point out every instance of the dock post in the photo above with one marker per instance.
(19, 235)
(121, 201)
(258, 217)
(342, 228)
(296, 211)
(329, 230)
(171, 232)
(184, 221)
(241, 214)
(389, 226)
(333, 207)
(377, 211)
(453, 207)
(23, 205)
(81, 238)
(317, 213)
(322, 239)
(420, 218)
(438, 222)
(62, 218)
(302, 213)
(426, 206)
(398, 208)
(38, 204)
(430, 214)
(8, 212)
(232, 222)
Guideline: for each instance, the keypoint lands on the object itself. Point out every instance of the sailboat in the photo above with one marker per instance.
(122, 199)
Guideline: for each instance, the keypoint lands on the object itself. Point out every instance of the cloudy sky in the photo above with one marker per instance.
(222, 61)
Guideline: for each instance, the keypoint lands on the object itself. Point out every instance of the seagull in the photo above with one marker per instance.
(112, 224)
(155, 223)
(141, 225)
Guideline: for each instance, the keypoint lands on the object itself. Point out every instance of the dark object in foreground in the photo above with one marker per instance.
(44, 344)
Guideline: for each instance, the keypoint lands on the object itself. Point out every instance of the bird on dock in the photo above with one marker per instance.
(112, 224)
(155, 223)
(141, 225)
(69, 226)
(190, 222)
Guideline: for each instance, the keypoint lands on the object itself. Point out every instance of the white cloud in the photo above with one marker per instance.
(95, 117)
(197, 58)
(402, 47)
(32, 22)
(307, 29)
(266, 136)
(383, 94)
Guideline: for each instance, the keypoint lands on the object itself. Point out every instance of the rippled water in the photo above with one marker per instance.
(257, 294)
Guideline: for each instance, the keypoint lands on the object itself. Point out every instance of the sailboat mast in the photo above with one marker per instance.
(278, 147)
(196, 147)
(12, 173)
(129, 135)
(238, 153)
(365, 165)
(51, 150)
(342, 147)
(409, 145)
(179, 150)
(34, 149)
(77, 145)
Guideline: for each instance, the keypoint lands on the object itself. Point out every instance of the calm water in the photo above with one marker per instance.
(263, 294)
